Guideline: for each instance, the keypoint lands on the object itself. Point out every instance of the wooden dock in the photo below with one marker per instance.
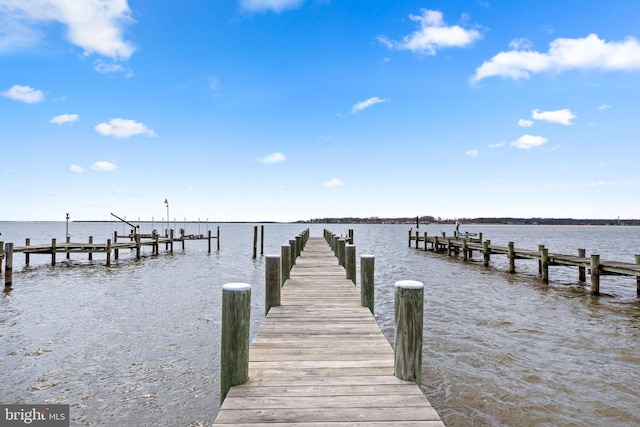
(454, 245)
(321, 359)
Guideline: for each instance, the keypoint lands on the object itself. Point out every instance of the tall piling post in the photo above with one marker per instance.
(261, 240)
(217, 239)
(234, 349)
(27, 242)
(285, 253)
(292, 243)
(108, 252)
(255, 241)
(582, 274)
(486, 252)
(367, 286)
(637, 277)
(408, 326)
(53, 252)
(350, 262)
(544, 263)
(512, 257)
(8, 265)
(90, 248)
(341, 251)
(595, 274)
(272, 282)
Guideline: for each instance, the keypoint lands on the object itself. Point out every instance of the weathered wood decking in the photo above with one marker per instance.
(321, 359)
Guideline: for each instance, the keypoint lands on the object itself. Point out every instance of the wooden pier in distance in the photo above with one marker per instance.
(321, 359)
(454, 245)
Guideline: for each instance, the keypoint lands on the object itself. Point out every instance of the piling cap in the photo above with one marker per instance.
(409, 284)
(367, 256)
(236, 287)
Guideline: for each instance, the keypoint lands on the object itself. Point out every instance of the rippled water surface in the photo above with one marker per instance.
(137, 343)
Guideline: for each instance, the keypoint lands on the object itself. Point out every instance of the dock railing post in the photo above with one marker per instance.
(512, 257)
(418, 238)
(582, 276)
(408, 325)
(595, 274)
(171, 240)
(285, 252)
(272, 282)
(350, 261)
(544, 262)
(8, 265)
(234, 349)
(367, 286)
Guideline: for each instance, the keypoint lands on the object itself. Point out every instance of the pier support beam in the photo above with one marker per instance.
(408, 325)
(272, 282)
(236, 321)
(595, 274)
(350, 262)
(367, 286)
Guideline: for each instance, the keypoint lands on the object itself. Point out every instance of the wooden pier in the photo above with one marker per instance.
(454, 245)
(321, 359)
(110, 248)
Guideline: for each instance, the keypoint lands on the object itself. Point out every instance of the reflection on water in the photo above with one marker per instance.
(137, 343)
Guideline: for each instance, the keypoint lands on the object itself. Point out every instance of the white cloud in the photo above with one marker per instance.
(104, 68)
(24, 94)
(526, 142)
(103, 166)
(525, 123)
(472, 153)
(366, 104)
(497, 145)
(76, 169)
(588, 53)
(273, 158)
(121, 128)
(274, 5)
(604, 107)
(334, 182)
(64, 118)
(562, 117)
(94, 25)
(432, 35)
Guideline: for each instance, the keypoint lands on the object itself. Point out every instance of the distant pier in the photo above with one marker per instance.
(465, 245)
(111, 248)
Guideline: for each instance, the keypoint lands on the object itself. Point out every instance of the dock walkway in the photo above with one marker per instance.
(320, 358)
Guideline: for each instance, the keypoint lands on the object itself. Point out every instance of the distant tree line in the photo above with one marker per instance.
(505, 220)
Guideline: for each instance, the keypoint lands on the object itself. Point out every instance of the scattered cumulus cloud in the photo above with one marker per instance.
(562, 117)
(604, 107)
(273, 158)
(76, 169)
(274, 5)
(588, 53)
(525, 123)
(472, 153)
(64, 118)
(334, 182)
(432, 35)
(497, 145)
(96, 26)
(25, 94)
(366, 104)
(526, 142)
(121, 128)
(103, 166)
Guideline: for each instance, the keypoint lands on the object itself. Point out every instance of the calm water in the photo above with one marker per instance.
(137, 343)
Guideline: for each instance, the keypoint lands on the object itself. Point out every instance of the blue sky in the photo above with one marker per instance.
(282, 110)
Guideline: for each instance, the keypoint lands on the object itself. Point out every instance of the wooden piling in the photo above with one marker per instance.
(638, 278)
(299, 245)
(8, 265)
(425, 241)
(350, 262)
(292, 243)
(255, 242)
(261, 240)
(68, 240)
(285, 253)
(582, 276)
(209, 238)
(272, 282)
(90, 251)
(408, 325)
(138, 246)
(341, 251)
(544, 263)
(367, 286)
(465, 250)
(540, 248)
(234, 349)
(108, 252)
(27, 242)
(486, 252)
(512, 257)
(53, 251)
(595, 274)
(171, 240)
(116, 251)
(218, 239)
